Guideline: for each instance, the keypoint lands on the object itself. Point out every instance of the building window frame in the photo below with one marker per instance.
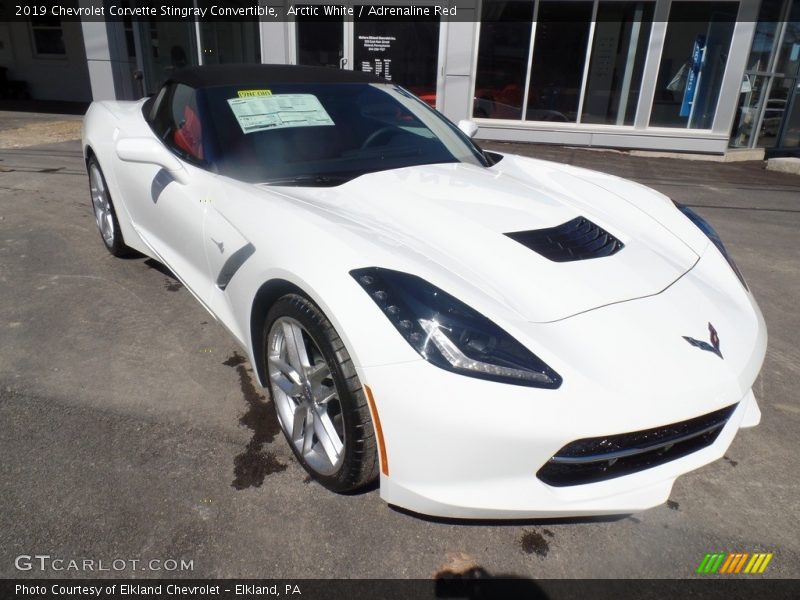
(44, 27)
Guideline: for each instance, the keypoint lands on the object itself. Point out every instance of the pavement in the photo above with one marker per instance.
(132, 428)
(25, 129)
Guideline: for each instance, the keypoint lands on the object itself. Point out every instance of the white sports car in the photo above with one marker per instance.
(491, 336)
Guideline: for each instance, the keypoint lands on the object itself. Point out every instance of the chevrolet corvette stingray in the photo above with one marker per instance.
(485, 335)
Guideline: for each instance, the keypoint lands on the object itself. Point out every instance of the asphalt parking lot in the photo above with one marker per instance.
(131, 426)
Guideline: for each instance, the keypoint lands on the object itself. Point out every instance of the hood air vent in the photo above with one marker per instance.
(578, 239)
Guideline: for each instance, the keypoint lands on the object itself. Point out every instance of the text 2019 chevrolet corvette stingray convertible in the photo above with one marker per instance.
(491, 336)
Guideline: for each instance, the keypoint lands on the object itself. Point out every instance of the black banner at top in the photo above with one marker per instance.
(224, 10)
(51, 11)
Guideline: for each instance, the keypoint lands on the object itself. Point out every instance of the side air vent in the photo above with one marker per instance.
(597, 459)
(578, 239)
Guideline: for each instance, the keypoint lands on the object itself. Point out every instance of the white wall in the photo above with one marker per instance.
(58, 78)
(460, 51)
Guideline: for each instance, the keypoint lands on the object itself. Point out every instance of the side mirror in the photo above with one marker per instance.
(468, 127)
(148, 150)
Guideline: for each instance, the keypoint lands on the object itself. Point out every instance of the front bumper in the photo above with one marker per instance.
(466, 448)
(485, 466)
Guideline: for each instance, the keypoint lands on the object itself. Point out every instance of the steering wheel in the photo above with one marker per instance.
(376, 134)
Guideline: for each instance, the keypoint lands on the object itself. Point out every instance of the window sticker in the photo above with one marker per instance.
(259, 113)
(250, 93)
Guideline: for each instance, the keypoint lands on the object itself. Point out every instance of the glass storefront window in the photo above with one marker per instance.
(789, 55)
(619, 47)
(320, 40)
(559, 55)
(557, 65)
(764, 37)
(502, 59)
(693, 63)
(229, 42)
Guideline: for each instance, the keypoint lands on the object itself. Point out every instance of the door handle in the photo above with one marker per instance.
(342, 63)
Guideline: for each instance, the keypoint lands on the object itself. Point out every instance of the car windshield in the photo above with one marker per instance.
(326, 134)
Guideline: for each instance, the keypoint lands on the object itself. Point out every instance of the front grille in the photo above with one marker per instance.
(597, 459)
(578, 239)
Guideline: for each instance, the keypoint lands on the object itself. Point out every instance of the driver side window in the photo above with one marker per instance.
(177, 122)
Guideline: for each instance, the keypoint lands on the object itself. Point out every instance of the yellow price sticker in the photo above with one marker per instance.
(252, 93)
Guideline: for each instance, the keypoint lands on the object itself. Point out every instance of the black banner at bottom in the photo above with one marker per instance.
(397, 589)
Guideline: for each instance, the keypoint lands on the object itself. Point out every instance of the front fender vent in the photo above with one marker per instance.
(578, 239)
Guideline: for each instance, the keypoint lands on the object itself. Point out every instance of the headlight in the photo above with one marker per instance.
(706, 228)
(449, 334)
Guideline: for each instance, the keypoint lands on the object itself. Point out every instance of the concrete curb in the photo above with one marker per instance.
(784, 165)
(733, 155)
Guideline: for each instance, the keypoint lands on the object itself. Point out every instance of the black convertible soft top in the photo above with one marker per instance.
(247, 74)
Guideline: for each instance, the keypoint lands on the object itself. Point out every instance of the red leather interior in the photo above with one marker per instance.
(189, 137)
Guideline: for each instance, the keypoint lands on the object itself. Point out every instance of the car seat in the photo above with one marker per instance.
(189, 136)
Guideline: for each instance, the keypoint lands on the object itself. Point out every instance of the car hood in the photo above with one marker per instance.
(458, 215)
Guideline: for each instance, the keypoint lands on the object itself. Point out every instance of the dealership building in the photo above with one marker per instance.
(718, 77)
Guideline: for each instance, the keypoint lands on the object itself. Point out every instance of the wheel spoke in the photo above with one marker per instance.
(96, 184)
(326, 434)
(308, 434)
(286, 377)
(300, 415)
(318, 373)
(289, 388)
(324, 394)
(108, 226)
(97, 198)
(296, 353)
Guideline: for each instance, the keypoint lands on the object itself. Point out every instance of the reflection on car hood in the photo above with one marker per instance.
(458, 215)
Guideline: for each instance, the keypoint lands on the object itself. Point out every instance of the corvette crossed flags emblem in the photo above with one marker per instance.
(712, 347)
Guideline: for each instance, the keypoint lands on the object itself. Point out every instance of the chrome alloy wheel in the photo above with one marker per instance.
(305, 396)
(102, 205)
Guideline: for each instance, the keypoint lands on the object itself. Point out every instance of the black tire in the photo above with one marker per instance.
(114, 242)
(359, 457)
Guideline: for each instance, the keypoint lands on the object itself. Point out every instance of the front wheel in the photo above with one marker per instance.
(104, 213)
(319, 400)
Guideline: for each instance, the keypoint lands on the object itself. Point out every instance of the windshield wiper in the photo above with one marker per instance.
(313, 180)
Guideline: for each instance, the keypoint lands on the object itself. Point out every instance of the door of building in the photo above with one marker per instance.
(769, 101)
(161, 48)
(164, 46)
